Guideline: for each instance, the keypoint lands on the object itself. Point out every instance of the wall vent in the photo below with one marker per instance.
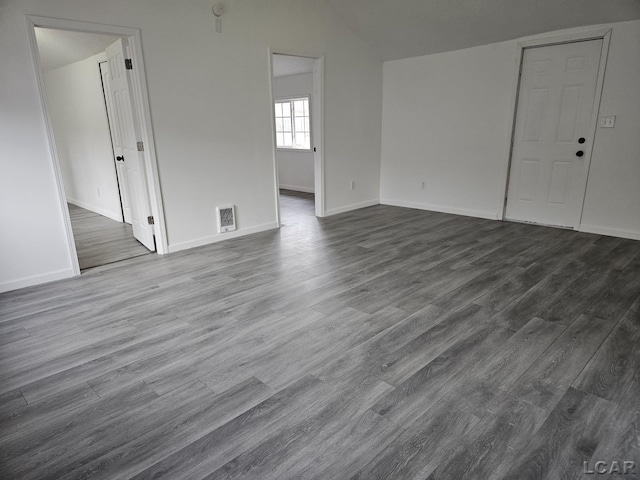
(226, 218)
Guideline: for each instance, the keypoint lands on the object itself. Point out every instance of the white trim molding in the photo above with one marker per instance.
(296, 188)
(611, 232)
(200, 242)
(443, 209)
(100, 211)
(353, 206)
(36, 280)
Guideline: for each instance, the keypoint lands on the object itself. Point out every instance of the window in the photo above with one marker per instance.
(292, 124)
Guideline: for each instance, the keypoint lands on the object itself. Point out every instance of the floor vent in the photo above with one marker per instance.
(226, 218)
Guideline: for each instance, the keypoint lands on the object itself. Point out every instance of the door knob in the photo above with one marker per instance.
(582, 140)
(579, 153)
(120, 159)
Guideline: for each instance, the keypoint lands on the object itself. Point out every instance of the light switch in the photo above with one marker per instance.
(608, 122)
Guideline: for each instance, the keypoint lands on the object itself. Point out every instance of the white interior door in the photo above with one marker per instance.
(121, 172)
(125, 143)
(548, 163)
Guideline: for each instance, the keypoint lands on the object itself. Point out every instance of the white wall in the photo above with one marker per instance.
(447, 121)
(211, 113)
(81, 131)
(295, 168)
(612, 200)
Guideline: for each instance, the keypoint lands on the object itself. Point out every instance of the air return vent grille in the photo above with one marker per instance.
(226, 218)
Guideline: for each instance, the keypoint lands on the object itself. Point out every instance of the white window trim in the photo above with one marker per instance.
(291, 99)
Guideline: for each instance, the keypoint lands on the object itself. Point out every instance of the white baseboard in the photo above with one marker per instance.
(94, 209)
(348, 208)
(199, 242)
(297, 189)
(443, 209)
(36, 280)
(611, 232)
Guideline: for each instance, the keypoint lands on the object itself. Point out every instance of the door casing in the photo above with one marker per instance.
(143, 113)
(317, 125)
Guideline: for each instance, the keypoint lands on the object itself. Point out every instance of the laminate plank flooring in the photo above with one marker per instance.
(383, 343)
(100, 240)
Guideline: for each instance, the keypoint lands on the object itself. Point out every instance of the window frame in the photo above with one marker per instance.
(292, 99)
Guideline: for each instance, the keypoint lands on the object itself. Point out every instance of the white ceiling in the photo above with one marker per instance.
(408, 28)
(59, 47)
(289, 65)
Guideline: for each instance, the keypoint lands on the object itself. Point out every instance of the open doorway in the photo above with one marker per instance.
(94, 111)
(297, 104)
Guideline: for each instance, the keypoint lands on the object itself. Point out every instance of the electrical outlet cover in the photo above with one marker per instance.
(608, 122)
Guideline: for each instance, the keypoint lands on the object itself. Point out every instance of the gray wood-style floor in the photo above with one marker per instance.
(100, 240)
(384, 343)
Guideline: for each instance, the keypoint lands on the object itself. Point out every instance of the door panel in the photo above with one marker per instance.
(558, 183)
(536, 107)
(568, 122)
(556, 98)
(528, 179)
(125, 143)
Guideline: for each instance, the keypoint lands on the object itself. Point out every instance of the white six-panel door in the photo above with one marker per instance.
(121, 173)
(125, 144)
(548, 164)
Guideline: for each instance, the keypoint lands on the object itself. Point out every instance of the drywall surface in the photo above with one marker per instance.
(612, 200)
(211, 114)
(447, 121)
(81, 132)
(295, 167)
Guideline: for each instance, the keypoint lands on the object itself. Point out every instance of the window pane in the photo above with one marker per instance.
(292, 124)
(302, 140)
(299, 140)
(298, 107)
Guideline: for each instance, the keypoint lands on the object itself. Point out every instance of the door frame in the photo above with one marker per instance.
(317, 126)
(603, 34)
(142, 110)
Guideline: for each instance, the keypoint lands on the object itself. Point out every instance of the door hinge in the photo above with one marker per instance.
(150, 220)
(128, 64)
(140, 146)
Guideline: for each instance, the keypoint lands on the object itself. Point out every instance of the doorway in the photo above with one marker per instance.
(553, 134)
(296, 87)
(97, 119)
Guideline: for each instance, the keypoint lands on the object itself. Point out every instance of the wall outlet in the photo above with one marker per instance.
(353, 184)
(422, 185)
(608, 122)
(99, 193)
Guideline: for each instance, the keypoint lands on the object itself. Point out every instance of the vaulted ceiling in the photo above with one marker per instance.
(408, 28)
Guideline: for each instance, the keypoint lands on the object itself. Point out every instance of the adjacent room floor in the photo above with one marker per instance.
(101, 240)
(296, 207)
(380, 343)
